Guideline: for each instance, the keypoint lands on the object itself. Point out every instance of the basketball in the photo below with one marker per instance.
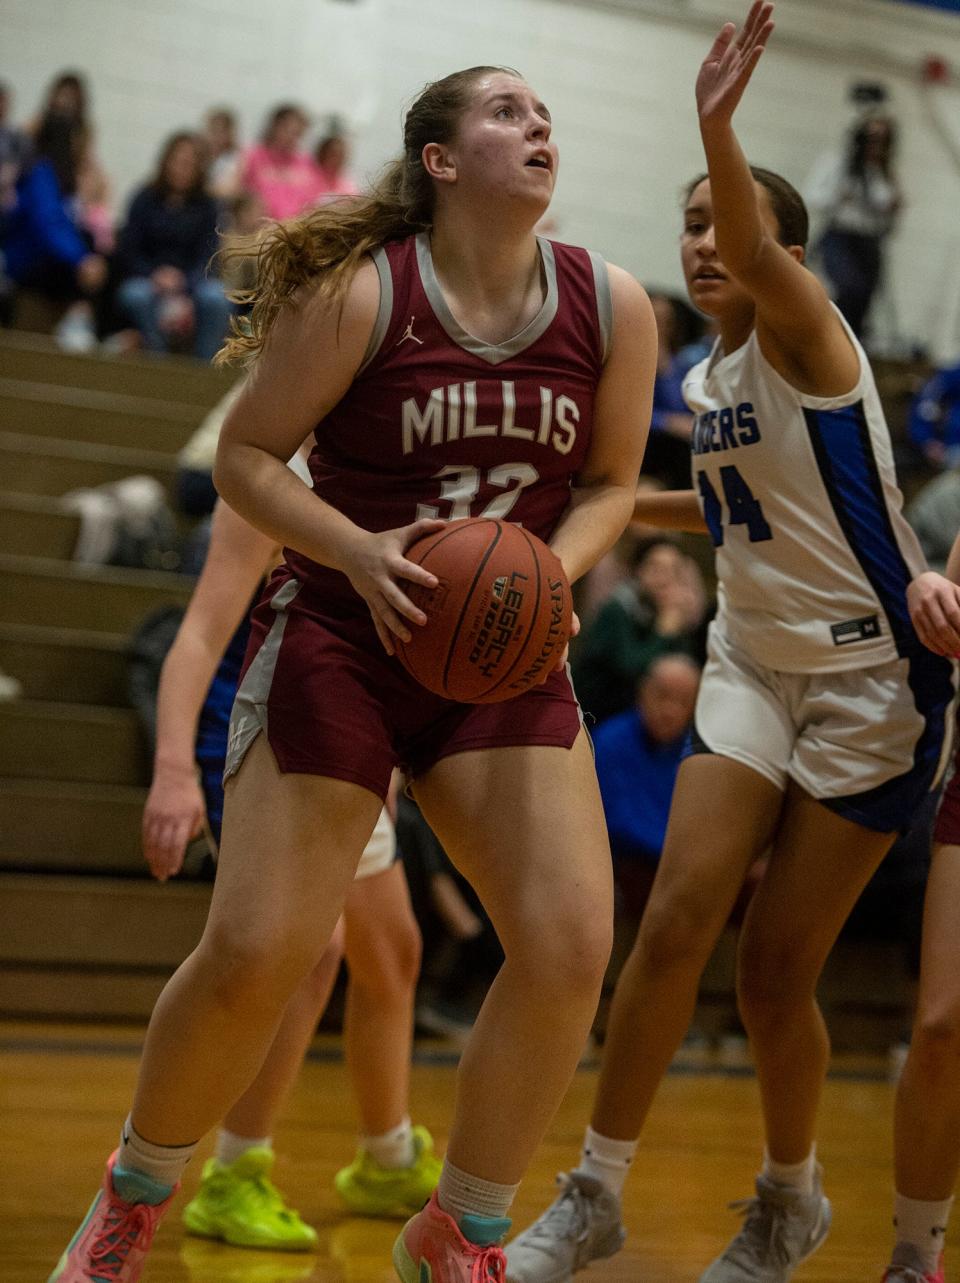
(498, 618)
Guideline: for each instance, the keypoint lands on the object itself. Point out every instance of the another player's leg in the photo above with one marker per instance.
(722, 819)
(395, 1169)
(819, 865)
(526, 827)
(279, 890)
(927, 1120)
(237, 1200)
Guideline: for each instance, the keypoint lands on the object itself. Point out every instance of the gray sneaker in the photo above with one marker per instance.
(781, 1228)
(581, 1225)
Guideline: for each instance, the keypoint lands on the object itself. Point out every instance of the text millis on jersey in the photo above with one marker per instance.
(451, 414)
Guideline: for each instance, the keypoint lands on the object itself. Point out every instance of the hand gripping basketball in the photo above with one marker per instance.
(499, 617)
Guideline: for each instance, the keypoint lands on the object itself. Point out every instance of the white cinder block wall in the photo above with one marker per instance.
(618, 77)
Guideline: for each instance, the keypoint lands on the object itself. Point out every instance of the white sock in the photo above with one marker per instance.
(393, 1149)
(607, 1160)
(923, 1226)
(162, 1163)
(795, 1175)
(230, 1146)
(460, 1194)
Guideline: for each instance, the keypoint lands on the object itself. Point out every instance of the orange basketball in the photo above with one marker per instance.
(498, 618)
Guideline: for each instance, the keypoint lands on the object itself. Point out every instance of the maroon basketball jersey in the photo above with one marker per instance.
(438, 423)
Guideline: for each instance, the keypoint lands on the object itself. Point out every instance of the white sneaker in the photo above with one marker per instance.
(782, 1227)
(580, 1226)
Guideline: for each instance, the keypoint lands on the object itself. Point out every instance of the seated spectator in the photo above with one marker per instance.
(638, 754)
(660, 610)
(667, 455)
(223, 153)
(238, 259)
(934, 515)
(285, 178)
(934, 424)
(14, 150)
(331, 154)
(164, 254)
(46, 248)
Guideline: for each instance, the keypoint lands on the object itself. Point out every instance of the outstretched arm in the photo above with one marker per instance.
(797, 326)
(237, 559)
(669, 510)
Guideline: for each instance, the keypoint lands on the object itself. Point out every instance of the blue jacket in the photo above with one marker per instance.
(41, 225)
(935, 412)
(636, 784)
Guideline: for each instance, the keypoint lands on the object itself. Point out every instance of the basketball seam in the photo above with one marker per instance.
(536, 561)
(443, 535)
(454, 637)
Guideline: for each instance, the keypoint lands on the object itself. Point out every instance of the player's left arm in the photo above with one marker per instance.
(934, 602)
(603, 492)
(798, 329)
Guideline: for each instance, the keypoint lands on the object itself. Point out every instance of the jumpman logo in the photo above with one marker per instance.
(409, 334)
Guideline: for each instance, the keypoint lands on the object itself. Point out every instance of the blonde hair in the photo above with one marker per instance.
(327, 244)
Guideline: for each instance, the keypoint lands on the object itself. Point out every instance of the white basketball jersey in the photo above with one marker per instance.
(800, 496)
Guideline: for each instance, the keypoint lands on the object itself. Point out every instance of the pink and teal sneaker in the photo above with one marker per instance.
(112, 1242)
(432, 1248)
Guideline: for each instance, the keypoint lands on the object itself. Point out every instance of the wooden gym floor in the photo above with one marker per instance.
(65, 1089)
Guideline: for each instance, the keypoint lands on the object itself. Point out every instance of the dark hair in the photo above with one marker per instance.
(859, 142)
(69, 80)
(793, 221)
(280, 113)
(650, 543)
(328, 243)
(159, 180)
(61, 141)
(688, 324)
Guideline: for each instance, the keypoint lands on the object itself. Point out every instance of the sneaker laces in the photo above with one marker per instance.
(489, 1266)
(567, 1216)
(761, 1235)
(905, 1274)
(126, 1225)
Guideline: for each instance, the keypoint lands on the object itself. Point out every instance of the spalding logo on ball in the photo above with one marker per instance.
(499, 618)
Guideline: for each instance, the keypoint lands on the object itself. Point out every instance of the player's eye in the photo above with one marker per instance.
(504, 111)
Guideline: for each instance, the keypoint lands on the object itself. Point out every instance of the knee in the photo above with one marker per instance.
(935, 1043)
(388, 967)
(249, 969)
(570, 956)
(674, 937)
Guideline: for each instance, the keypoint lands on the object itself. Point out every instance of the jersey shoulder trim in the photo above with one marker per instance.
(601, 280)
(384, 311)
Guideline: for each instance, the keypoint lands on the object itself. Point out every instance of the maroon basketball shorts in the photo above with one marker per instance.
(331, 701)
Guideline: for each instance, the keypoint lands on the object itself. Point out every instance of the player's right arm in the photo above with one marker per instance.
(669, 510)
(311, 356)
(934, 602)
(237, 559)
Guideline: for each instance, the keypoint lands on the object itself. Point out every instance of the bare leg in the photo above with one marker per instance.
(255, 1113)
(383, 956)
(927, 1125)
(526, 827)
(722, 818)
(281, 883)
(819, 865)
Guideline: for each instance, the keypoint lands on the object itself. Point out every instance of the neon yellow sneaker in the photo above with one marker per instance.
(371, 1190)
(238, 1203)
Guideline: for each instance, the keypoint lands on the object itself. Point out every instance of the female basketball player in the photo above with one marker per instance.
(820, 718)
(927, 1122)
(451, 364)
(395, 1169)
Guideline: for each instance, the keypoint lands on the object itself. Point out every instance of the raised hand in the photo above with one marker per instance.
(727, 68)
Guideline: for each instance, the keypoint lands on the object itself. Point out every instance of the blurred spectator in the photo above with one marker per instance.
(660, 610)
(668, 449)
(14, 150)
(857, 197)
(195, 493)
(638, 754)
(164, 252)
(285, 178)
(68, 100)
(239, 264)
(331, 155)
(934, 424)
(223, 153)
(614, 567)
(46, 248)
(934, 515)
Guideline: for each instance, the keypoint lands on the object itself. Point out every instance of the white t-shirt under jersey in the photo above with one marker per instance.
(800, 494)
